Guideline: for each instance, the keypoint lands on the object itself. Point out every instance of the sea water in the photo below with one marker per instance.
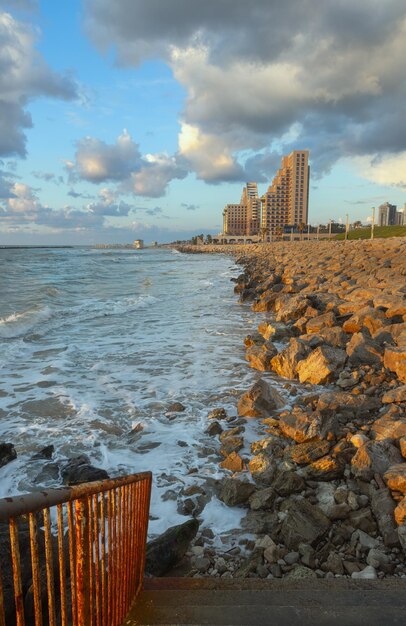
(94, 347)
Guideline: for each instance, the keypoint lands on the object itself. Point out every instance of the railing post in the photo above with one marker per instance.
(82, 563)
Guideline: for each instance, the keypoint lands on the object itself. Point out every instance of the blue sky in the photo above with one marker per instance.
(145, 123)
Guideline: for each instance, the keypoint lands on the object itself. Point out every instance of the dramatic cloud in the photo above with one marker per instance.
(24, 75)
(332, 72)
(121, 162)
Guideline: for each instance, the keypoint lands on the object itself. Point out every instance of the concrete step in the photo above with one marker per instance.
(252, 602)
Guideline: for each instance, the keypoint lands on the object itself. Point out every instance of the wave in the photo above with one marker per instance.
(18, 324)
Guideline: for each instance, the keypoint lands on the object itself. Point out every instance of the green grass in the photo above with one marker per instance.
(379, 232)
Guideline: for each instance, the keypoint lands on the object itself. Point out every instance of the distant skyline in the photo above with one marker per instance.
(143, 118)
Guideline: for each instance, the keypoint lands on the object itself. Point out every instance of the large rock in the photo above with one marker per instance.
(395, 395)
(383, 508)
(263, 499)
(303, 523)
(234, 492)
(302, 425)
(291, 307)
(374, 457)
(395, 360)
(259, 401)
(266, 302)
(333, 336)
(327, 320)
(387, 427)
(363, 351)
(325, 469)
(164, 552)
(400, 512)
(395, 478)
(260, 357)
(7, 453)
(367, 317)
(262, 468)
(79, 470)
(305, 453)
(285, 363)
(347, 404)
(288, 482)
(321, 365)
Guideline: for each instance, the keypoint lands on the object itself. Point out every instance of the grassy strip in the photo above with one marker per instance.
(379, 232)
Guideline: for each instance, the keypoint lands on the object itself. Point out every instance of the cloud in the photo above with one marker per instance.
(335, 72)
(76, 194)
(387, 169)
(190, 207)
(24, 75)
(155, 173)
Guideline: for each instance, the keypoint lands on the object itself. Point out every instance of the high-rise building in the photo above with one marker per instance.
(243, 219)
(286, 202)
(387, 214)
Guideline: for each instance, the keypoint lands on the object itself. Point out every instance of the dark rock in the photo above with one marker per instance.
(175, 407)
(234, 492)
(79, 470)
(383, 508)
(303, 523)
(362, 350)
(263, 499)
(214, 428)
(262, 468)
(305, 453)
(325, 469)
(7, 453)
(164, 552)
(287, 483)
(250, 564)
(45, 453)
(260, 523)
(217, 414)
(374, 457)
(259, 400)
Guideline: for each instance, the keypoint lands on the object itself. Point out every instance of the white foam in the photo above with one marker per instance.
(19, 324)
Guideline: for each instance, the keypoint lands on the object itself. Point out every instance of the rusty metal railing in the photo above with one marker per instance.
(73, 555)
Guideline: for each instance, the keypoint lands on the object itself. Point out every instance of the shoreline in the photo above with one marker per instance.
(325, 487)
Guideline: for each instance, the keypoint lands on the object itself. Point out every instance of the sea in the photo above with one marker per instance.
(95, 344)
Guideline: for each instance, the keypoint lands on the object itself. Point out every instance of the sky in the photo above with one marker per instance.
(143, 118)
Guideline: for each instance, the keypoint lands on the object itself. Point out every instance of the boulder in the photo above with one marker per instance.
(274, 331)
(395, 361)
(78, 470)
(259, 401)
(367, 317)
(303, 523)
(285, 363)
(164, 552)
(231, 444)
(325, 469)
(45, 453)
(327, 320)
(290, 307)
(395, 478)
(266, 302)
(217, 414)
(302, 425)
(7, 453)
(263, 499)
(333, 336)
(234, 492)
(260, 357)
(321, 365)
(305, 453)
(383, 508)
(262, 468)
(374, 457)
(347, 404)
(260, 523)
(363, 351)
(395, 395)
(287, 483)
(175, 407)
(233, 462)
(363, 519)
(387, 427)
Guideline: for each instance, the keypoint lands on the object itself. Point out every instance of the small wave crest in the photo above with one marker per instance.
(19, 324)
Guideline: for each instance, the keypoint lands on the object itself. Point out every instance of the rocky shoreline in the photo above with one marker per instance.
(325, 486)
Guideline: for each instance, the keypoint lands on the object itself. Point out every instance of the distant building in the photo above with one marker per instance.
(138, 244)
(387, 214)
(243, 219)
(286, 203)
(401, 217)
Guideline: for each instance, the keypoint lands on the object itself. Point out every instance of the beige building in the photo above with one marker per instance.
(243, 219)
(286, 203)
(138, 244)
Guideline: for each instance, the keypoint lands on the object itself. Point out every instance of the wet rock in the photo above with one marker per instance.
(234, 492)
(362, 350)
(383, 508)
(287, 483)
(263, 499)
(214, 428)
(260, 357)
(395, 361)
(262, 468)
(45, 453)
(175, 407)
(259, 401)
(49, 473)
(7, 453)
(164, 552)
(276, 332)
(233, 462)
(231, 444)
(260, 523)
(305, 453)
(303, 522)
(395, 478)
(321, 365)
(217, 414)
(79, 470)
(302, 425)
(395, 395)
(286, 362)
(374, 457)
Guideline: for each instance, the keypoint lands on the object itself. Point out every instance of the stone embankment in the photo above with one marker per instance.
(325, 486)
